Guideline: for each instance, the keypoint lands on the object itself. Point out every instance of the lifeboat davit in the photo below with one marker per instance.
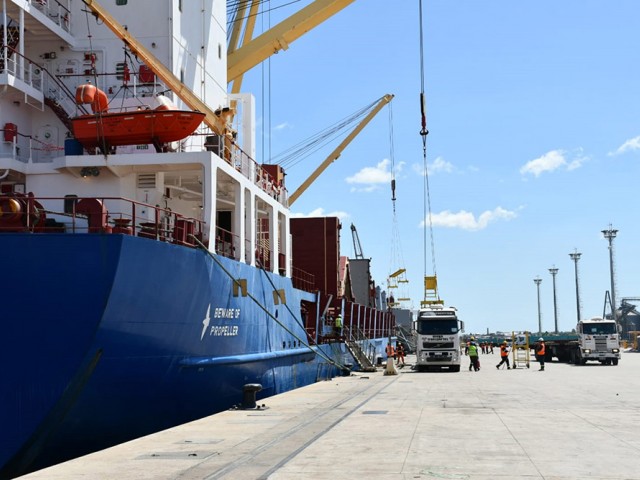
(132, 126)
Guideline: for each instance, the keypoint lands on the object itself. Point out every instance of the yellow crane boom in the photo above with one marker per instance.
(279, 37)
(212, 119)
(338, 150)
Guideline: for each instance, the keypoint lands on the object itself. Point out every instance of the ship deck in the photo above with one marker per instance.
(568, 422)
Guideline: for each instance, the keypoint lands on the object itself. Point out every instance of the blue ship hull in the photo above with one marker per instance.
(106, 338)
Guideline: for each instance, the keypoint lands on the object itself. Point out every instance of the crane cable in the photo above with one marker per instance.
(424, 132)
(396, 257)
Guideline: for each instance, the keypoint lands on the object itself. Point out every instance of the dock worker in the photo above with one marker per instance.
(472, 351)
(504, 355)
(390, 351)
(540, 353)
(338, 324)
(400, 354)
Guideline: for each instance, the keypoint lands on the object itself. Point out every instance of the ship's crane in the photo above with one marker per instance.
(338, 150)
(254, 51)
(357, 248)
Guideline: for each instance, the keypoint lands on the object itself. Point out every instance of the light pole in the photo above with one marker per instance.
(575, 256)
(610, 234)
(538, 280)
(554, 271)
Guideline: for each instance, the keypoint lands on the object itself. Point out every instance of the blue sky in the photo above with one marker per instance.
(533, 110)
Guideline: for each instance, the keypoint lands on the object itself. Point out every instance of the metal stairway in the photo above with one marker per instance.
(364, 362)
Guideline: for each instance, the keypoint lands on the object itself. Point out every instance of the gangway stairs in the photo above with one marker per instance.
(353, 344)
(521, 349)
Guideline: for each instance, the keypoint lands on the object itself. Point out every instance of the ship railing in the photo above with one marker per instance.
(303, 280)
(20, 67)
(227, 149)
(56, 11)
(24, 148)
(226, 243)
(117, 215)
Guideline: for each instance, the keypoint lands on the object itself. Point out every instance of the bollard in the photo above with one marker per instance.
(391, 367)
(249, 395)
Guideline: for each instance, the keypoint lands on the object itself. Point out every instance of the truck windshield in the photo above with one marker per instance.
(439, 326)
(599, 328)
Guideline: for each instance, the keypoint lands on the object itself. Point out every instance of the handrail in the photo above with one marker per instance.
(97, 215)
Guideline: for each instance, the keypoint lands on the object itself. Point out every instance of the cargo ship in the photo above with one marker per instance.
(150, 284)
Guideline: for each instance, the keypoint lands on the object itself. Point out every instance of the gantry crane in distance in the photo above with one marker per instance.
(357, 248)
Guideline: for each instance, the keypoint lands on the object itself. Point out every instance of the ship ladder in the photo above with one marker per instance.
(521, 350)
(363, 361)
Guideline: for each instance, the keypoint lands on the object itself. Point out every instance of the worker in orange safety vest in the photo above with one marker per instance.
(540, 353)
(504, 354)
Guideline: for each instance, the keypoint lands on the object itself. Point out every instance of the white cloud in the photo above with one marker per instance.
(372, 175)
(554, 160)
(628, 146)
(467, 221)
(548, 162)
(319, 212)
(283, 126)
(370, 178)
(438, 165)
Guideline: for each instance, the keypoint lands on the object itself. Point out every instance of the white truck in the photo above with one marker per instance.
(437, 331)
(596, 339)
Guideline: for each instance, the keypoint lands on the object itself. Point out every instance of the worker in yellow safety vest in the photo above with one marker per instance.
(338, 325)
(472, 351)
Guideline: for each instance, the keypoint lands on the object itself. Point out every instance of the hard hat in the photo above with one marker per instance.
(541, 339)
(505, 342)
(472, 338)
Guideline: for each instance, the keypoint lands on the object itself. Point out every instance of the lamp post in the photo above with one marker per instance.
(554, 271)
(575, 256)
(538, 281)
(610, 234)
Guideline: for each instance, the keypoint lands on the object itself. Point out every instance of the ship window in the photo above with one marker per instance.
(121, 2)
(219, 51)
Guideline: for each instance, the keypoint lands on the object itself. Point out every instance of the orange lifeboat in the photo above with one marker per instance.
(106, 128)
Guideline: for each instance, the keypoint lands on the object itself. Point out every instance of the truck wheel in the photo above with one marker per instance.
(615, 361)
(455, 368)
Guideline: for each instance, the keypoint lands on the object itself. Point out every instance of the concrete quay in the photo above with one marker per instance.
(568, 422)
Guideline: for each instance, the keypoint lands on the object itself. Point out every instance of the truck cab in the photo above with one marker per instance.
(598, 340)
(438, 332)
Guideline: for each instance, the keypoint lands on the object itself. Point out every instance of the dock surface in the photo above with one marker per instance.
(568, 422)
